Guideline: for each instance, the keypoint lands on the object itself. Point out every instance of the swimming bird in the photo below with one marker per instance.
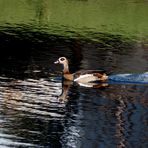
(82, 76)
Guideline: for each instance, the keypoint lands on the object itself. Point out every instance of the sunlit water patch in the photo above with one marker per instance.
(30, 99)
(32, 96)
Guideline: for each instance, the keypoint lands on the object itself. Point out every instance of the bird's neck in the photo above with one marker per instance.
(66, 69)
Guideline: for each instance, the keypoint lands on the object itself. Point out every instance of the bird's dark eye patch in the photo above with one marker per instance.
(62, 59)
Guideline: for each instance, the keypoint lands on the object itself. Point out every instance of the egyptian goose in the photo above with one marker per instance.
(82, 76)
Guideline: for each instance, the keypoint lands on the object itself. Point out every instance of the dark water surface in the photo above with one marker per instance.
(34, 113)
(37, 109)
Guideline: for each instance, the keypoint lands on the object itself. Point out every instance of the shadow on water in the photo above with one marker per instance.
(21, 46)
(38, 110)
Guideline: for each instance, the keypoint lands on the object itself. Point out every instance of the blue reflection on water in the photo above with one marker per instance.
(129, 78)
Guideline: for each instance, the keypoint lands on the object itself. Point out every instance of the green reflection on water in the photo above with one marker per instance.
(128, 17)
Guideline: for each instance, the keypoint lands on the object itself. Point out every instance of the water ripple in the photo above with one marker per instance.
(130, 78)
(34, 96)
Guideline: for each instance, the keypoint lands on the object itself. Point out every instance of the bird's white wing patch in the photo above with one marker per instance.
(86, 78)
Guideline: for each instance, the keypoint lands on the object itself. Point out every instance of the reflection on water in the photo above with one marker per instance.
(24, 106)
(38, 110)
(33, 114)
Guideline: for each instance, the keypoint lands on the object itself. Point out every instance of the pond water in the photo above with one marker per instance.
(38, 109)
